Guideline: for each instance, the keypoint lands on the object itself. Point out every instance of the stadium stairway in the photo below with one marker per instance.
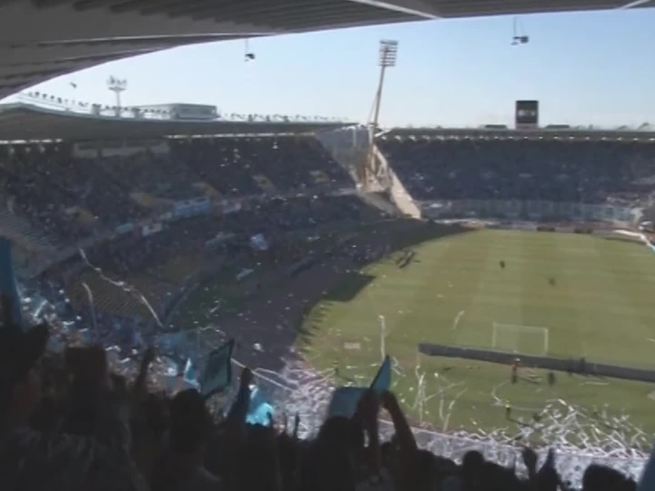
(399, 194)
(349, 148)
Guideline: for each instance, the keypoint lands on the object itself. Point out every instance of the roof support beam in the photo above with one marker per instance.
(634, 4)
(410, 7)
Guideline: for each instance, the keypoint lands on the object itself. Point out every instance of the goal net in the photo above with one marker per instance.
(517, 338)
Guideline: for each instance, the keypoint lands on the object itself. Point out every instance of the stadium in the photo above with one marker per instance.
(503, 274)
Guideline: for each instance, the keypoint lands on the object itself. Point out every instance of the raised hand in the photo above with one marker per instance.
(246, 377)
(530, 460)
(149, 355)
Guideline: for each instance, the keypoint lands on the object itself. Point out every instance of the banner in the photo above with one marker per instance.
(217, 375)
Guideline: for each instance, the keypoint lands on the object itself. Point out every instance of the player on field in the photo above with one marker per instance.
(515, 370)
(551, 378)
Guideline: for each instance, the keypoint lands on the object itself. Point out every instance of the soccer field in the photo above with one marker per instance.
(564, 295)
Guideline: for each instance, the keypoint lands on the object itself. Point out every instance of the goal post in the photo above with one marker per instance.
(519, 338)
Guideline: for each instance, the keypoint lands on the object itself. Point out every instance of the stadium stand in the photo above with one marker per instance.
(114, 293)
(591, 172)
(245, 166)
(157, 217)
(63, 195)
(70, 196)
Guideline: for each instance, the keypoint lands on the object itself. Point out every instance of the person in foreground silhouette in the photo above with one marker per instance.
(94, 459)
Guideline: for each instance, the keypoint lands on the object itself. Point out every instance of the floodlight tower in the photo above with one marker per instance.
(117, 86)
(388, 54)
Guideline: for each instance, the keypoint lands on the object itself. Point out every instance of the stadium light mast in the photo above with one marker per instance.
(117, 86)
(388, 53)
(388, 56)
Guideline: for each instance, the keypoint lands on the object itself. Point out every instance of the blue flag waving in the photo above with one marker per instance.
(345, 399)
(217, 375)
(8, 290)
(382, 381)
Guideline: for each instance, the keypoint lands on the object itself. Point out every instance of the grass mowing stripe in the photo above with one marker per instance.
(437, 295)
(495, 298)
(561, 308)
(633, 308)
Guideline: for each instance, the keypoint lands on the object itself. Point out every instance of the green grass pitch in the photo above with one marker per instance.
(594, 297)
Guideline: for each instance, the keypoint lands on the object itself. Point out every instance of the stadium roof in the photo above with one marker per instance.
(40, 39)
(19, 122)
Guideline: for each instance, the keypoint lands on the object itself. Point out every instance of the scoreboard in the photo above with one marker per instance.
(527, 115)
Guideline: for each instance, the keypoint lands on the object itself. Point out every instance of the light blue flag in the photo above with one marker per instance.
(260, 411)
(8, 287)
(382, 381)
(217, 374)
(345, 399)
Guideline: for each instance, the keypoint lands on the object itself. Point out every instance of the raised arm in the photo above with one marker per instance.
(236, 419)
(367, 416)
(404, 435)
(139, 388)
(530, 461)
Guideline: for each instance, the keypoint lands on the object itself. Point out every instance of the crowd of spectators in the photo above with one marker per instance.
(592, 172)
(250, 166)
(280, 215)
(124, 273)
(159, 175)
(65, 196)
(272, 218)
(69, 422)
(72, 195)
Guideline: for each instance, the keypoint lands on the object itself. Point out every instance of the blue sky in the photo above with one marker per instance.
(585, 68)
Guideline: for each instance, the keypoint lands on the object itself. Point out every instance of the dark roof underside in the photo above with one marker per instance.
(40, 39)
